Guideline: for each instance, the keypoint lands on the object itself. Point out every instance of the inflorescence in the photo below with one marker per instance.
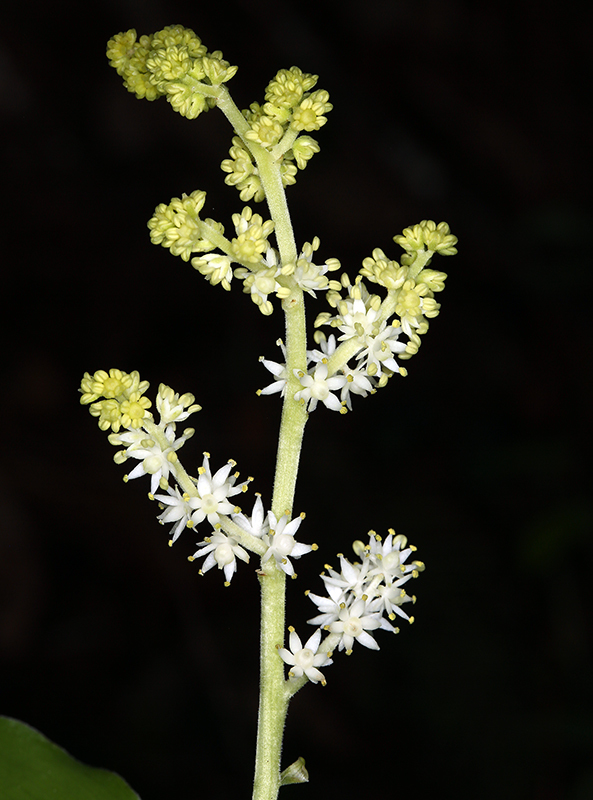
(118, 400)
(368, 348)
(362, 597)
(371, 333)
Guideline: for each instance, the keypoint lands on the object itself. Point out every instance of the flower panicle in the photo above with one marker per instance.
(363, 597)
(249, 257)
(373, 333)
(185, 501)
(366, 595)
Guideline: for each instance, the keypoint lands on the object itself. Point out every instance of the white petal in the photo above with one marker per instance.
(295, 642)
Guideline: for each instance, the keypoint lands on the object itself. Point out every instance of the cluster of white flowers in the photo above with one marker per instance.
(363, 597)
(186, 501)
(275, 538)
(368, 346)
(367, 595)
(359, 361)
(210, 500)
(374, 363)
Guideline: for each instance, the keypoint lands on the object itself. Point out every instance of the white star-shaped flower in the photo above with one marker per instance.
(213, 493)
(278, 371)
(380, 349)
(305, 660)
(318, 387)
(327, 348)
(358, 321)
(351, 579)
(391, 598)
(387, 557)
(353, 624)
(330, 607)
(178, 511)
(281, 542)
(156, 462)
(222, 551)
(357, 382)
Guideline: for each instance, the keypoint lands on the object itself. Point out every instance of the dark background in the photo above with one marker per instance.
(110, 642)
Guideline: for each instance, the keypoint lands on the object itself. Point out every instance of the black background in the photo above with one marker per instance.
(110, 642)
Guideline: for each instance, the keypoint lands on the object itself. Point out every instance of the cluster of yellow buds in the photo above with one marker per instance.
(178, 226)
(123, 403)
(171, 63)
(410, 285)
(289, 109)
(270, 145)
(244, 174)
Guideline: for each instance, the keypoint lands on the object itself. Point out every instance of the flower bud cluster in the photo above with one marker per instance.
(178, 227)
(123, 403)
(172, 63)
(242, 172)
(290, 109)
(427, 235)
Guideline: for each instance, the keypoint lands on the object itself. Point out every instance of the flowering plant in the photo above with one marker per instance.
(374, 324)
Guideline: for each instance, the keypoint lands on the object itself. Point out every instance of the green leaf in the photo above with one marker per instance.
(33, 768)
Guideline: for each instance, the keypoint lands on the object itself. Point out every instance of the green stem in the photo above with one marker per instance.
(342, 355)
(157, 433)
(215, 236)
(269, 172)
(422, 259)
(285, 143)
(228, 107)
(274, 695)
(271, 178)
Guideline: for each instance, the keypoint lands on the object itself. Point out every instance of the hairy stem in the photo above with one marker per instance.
(274, 696)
